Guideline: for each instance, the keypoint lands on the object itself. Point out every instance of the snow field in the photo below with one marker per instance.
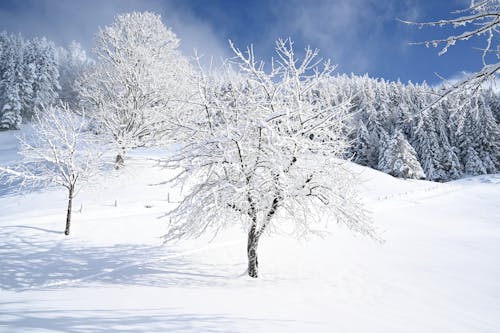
(437, 270)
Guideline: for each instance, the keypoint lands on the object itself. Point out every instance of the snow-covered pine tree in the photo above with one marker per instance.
(399, 159)
(377, 121)
(428, 148)
(362, 146)
(473, 164)
(40, 55)
(492, 98)
(465, 123)
(10, 81)
(10, 116)
(487, 138)
(440, 114)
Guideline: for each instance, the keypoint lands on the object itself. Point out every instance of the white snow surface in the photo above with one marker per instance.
(437, 271)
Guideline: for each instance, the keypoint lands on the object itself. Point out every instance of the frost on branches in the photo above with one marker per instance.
(265, 149)
(481, 19)
(58, 152)
(137, 83)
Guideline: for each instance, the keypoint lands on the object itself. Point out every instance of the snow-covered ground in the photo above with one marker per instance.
(437, 271)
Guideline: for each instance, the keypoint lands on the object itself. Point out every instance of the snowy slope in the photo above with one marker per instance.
(438, 270)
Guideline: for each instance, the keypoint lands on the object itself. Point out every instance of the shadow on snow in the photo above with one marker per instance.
(41, 262)
(133, 320)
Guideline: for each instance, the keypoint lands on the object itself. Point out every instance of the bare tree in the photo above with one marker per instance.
(480, 19)
(58, 152)
(265, 149)
(137, 82)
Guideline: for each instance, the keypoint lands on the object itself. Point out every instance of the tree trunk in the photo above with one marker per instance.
(68, 214)
(120, 159)
(253, 263)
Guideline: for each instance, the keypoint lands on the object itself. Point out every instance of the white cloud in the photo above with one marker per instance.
(357, 34)
(196, 34)
(64, 21)
(353, 33)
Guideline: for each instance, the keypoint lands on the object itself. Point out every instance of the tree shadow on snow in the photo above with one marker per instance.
(15, 187)
(133, 320)
(41, 262)
(34, 228)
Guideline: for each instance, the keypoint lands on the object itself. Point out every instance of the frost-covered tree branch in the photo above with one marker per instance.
(59, 151)
(265, 149)
(480, 19)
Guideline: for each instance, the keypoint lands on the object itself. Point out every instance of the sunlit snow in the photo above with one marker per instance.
(437, 270)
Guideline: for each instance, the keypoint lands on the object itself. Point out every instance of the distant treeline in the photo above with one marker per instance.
(35, 73)
(394, 130)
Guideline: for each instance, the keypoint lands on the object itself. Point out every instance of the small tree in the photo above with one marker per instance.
(137, 81)
(265, 149)
(58, 152)
(480, 19)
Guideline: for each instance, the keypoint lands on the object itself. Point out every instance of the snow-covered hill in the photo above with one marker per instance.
(437, 271)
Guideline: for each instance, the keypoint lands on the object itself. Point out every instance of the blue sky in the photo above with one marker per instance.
(361, 36)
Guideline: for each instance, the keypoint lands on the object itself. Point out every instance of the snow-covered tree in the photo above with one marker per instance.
(441, 135)
(11, 80)
(493, 101)
(427, 145)
(362, 146)
(487, 136)
(263, 154)
(58, 152)
(473, 164)
(138, 82)
(29, 78)
(477, 136)
(450, 162)
(41, 60)
(400, 159)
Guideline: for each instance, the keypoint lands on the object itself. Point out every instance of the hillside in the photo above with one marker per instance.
(437, 270)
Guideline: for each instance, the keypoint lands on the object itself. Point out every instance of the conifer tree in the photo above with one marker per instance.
(400, 159)
(10, 80)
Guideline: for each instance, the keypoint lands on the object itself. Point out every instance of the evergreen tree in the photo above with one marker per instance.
(400, 159)
(41, 56)
(473, 165)
(451, 167)
(487, 137)
(427, 146)
(361, 146)
(466, 127)
(10, 79)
